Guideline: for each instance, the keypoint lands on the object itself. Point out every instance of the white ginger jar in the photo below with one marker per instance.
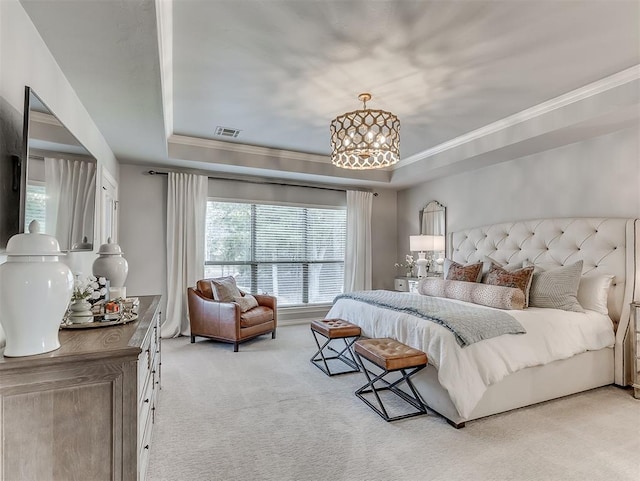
(111, 264)
(35, 289)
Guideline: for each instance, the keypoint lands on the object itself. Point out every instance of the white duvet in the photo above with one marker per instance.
(466, 372)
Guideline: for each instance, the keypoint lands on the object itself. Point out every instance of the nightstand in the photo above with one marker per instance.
(635, 348)
(410, 284)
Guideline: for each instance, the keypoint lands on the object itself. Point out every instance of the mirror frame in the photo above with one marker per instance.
(24, 174)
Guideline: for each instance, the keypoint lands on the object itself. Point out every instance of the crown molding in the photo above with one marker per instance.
(598, 87)
(247, 149)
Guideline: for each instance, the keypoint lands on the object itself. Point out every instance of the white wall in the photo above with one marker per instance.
(26, 60)
(143, 223)
(596, 177)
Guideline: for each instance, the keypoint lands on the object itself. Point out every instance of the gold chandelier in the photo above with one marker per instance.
(365, 139)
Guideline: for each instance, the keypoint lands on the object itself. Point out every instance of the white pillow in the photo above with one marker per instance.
(484, 294)
(593, 292)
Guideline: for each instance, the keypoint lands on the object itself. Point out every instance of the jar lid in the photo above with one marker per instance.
(109, 249)
(33, 243)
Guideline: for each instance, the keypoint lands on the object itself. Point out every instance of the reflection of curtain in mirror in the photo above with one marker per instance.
(433, 220)
(70, 186)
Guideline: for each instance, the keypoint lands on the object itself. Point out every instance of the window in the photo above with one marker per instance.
(294, 253)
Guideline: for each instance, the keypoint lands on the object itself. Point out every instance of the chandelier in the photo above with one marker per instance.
(365, 139)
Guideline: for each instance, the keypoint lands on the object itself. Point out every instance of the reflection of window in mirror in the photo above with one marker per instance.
(36, 205)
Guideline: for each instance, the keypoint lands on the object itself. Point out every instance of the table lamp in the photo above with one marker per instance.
(421, 244)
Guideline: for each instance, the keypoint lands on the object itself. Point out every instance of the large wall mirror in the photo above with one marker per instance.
(60, 179)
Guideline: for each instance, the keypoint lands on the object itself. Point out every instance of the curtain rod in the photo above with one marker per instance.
(265, 182)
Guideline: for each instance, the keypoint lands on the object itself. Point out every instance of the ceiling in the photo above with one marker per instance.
(158, 77)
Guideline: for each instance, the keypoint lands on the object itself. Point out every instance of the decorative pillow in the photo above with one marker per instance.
(521, 279)
(445, 267)
(487, 262)
(246, 302)
(225, 289)
(593, 292)
(483, 294)
(557, 288)
(458, 272)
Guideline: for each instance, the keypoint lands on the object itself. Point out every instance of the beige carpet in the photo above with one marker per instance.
(266, 413)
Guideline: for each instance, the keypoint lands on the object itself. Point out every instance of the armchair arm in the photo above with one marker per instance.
(212, 318)
(269, 301)
(265, 300)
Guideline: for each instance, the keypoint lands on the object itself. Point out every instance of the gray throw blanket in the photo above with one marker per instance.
(468, 324)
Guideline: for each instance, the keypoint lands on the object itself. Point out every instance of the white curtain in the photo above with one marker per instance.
(70, 188)
(357, 263)
(186, 212)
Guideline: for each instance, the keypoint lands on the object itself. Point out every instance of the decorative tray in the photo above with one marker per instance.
(124, 318)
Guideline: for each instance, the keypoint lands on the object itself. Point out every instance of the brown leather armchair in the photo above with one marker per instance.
(225, 321)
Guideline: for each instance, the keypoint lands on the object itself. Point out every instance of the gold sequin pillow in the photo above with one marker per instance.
(521, 279)
(458, 272)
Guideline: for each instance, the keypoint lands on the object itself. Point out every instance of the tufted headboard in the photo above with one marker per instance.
(606, 245)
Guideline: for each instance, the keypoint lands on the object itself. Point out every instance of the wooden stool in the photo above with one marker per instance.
(335, 329)
(390, 356)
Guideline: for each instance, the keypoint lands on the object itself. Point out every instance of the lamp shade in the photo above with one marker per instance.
(421, 243)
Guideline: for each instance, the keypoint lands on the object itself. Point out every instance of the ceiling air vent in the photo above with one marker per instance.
(227, 132)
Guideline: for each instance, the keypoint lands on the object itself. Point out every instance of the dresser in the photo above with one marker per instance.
(85, 411)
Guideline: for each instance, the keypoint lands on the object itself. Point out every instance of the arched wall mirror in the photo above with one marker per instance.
(433, 219)
(433, 222)
(59, 185)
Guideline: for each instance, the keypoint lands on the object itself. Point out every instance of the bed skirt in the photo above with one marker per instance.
(532, 385)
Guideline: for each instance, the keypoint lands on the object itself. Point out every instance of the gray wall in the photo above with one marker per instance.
(142, 231)
(596, 177)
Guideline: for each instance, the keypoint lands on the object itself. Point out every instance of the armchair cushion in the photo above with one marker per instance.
(257, 315)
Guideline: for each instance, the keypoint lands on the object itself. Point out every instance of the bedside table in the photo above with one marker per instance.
(635, 348)
(410, 284)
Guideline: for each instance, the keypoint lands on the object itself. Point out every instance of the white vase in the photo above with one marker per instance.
(80, 312)
(111, 264)
(34, 294)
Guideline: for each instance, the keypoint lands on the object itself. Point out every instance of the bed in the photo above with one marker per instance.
(588, 350)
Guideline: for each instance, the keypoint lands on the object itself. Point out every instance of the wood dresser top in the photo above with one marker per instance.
(77, 344)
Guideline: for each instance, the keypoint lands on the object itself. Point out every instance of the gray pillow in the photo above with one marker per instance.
(225, 289)
(557, 288)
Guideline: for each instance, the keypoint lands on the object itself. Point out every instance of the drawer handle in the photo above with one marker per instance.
(146, 447)
(146, 400)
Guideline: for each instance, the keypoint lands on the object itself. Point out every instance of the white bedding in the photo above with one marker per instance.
(466, 373)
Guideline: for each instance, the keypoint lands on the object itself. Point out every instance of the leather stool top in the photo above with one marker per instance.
(390, 354)
(335, 328)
